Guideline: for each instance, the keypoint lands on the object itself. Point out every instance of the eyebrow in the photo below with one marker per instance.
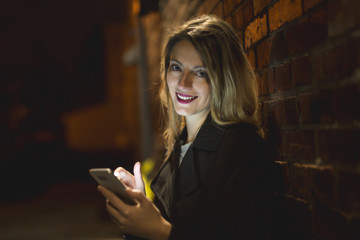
(194, 68)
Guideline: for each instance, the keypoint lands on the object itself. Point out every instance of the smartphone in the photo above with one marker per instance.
(106, 178)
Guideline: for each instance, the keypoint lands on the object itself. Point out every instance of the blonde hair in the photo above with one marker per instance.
(231, 77)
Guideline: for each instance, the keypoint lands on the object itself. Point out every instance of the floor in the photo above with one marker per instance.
(71, 211)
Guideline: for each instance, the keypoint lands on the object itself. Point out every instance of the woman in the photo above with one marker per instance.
(215, 182)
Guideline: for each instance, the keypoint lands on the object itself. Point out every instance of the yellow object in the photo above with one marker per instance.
(147, 168)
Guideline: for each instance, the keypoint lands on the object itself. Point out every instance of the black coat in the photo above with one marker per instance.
(223, 187)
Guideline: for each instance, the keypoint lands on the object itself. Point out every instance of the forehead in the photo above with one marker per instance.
(184, 52)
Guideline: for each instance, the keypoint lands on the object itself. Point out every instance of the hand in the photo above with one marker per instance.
(132, 181)
(142, 220)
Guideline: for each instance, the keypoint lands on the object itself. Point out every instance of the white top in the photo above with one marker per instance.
(184, 149)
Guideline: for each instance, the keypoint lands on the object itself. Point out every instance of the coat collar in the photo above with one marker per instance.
(209, 135)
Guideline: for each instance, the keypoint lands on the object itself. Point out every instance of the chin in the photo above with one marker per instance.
(183, 112)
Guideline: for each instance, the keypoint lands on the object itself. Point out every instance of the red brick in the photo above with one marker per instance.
(273, 118)
(260, 84)
(317, 68)
(229, 6)
(282, 176)
(301, 70)
(329, 223)
(241, 38)
(298, 145)
(340, 61)
(209, 5)
(271, 80)
(229, 20)
(267, 82)
(348, 189)
(283, 79)
(243, 15)
(330, 106)
(280, 112)
(260, 5)
(312, 181)
(278, 49)
(284, 11)
(251, 57)
(311, 3)
(337, 105)
(219, 9)
(263, 53)
(255, 31)
(317, 107)
(292, 111)
(305, 101)
(307, 34)
(343, 16)
(274, 114)
(340, 146)
(270, 50)
(344, 98)
(294, 217)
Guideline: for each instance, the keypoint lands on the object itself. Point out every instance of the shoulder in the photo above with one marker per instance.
(241, 135)
(211, 136)
(235, 146)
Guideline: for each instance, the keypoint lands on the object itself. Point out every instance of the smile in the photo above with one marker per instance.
(184, 98)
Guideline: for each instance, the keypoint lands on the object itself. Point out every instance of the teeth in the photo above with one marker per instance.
(185, 98)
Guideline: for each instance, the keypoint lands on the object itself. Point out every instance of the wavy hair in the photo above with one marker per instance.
(231, 77)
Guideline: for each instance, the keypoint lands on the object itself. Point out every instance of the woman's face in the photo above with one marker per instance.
(188, 83)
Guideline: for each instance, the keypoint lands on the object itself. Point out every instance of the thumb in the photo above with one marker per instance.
(139, 182)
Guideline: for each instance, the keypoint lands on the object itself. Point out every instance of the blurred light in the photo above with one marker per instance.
(121, 140)
(136, 7)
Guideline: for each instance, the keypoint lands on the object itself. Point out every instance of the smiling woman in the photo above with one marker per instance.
(216, 179)
(188, 85)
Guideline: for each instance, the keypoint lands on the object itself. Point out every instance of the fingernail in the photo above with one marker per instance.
(100, 188)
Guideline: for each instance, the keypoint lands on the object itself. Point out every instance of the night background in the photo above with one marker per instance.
(78, 90)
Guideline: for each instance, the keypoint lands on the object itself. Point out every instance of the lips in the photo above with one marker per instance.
(185, 98)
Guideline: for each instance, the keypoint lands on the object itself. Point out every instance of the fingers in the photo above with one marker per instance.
(113, 200)
(139, 182)
(125, 177)
(117, 216)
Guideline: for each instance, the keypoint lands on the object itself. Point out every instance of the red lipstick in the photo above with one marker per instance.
(185, 98)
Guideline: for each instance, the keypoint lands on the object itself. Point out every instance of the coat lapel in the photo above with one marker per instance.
(187, 175)
(207, 139)
(163, 186)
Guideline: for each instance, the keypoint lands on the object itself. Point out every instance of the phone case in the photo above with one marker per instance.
(106, 178)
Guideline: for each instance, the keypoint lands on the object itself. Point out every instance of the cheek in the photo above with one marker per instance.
(171, 82)
(205, 90)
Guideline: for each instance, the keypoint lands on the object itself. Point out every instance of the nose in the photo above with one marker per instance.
(185, 82)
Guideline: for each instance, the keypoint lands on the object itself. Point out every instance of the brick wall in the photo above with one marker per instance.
(307, 56)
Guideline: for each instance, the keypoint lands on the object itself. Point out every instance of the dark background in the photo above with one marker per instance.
(52, 63)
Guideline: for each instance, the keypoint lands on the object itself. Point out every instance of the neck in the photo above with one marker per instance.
(193, 124)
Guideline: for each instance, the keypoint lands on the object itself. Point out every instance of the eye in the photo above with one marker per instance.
(174, 67)
(202, 74)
